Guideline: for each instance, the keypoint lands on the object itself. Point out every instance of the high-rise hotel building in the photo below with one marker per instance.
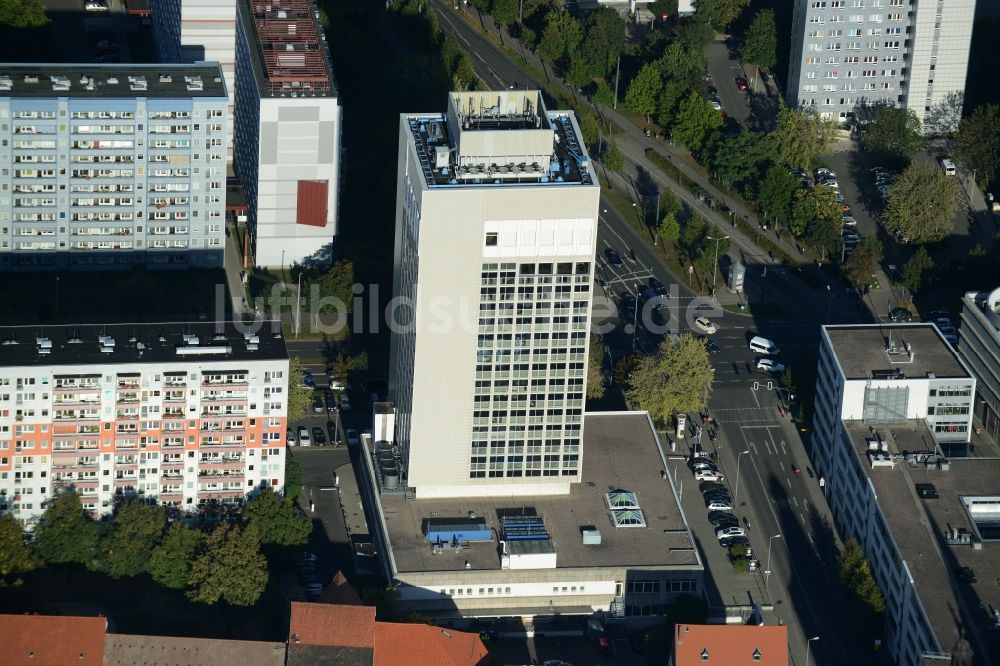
(188, 414)
(112, 165)
(496, 223)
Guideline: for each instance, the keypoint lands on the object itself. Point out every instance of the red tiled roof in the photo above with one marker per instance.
(326, 624)
(51, 639)
(730, 645)
(419, 644)
(339, 591)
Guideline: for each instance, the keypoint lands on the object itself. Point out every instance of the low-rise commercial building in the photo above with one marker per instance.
(112, 165)
(890, 443)
(189, 414)
(979, 345)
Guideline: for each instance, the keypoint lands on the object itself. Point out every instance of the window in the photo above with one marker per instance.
(492, 238)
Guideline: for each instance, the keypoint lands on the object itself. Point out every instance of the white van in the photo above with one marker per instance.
(948, 166)
(763, 345)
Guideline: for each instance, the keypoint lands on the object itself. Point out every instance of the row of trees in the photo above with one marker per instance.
(224, 564)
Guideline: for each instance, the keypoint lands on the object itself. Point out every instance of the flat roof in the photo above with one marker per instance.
(90, 80)
(178, 342)
(910, 436)
(290, 55)
(121, 649)
(619, 453)
(919, 527)
(861, 351)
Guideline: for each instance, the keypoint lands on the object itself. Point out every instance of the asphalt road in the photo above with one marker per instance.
(724, 71)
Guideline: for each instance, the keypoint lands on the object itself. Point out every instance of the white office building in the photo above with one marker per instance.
(496, 225)
(112, 165)
(890, 444)
(287, 132)
(980, 348)
(189, 31)
(907, 53)
(192, 415)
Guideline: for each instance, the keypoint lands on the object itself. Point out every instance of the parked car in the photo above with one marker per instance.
(849, 221)
(345, 403)
(707, 475)
(613, 258)
(926, 491)
(717, 497)
(716, 104)
(768, 365)
(724, 519)
(319, 437)
(720, 505)
(742, 84)
(729, 542)
(709, 486)
(331, 401)
(702, 465)
(290, 438)
(352, 437)
(824, 174)
(318, 405)
(727, 532)
(706, 325)
(900, 315)
(966, 575)
(712, 346)
(304, 438)
(96, 6)
(658, 288)
(308, 379)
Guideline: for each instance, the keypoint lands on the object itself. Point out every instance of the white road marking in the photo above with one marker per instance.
(481, 58)
(780, 464)
(788, 482)
(783, 451)
(795, 501)
(754, 394)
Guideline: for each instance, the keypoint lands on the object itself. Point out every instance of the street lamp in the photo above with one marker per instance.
(737, 498)
(829, 302)
(808, 643)
(715, 268)
(767, 569)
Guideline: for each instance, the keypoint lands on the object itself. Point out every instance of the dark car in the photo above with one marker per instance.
(334, 435)
(308, 379)
(319, 437)
(331, 401)
(729, 542)
(742, 84)
(712, 346)
(613, 258)
(965, 575)
(722, 518)
(318, 405)
(900, 315)
(718, 497)
(927, 491)
(628, 301)
(657, 287)
(710, 486)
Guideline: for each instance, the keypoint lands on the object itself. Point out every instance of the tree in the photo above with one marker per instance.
(721, 13)
(914, 274)
(824, 237)
(760, 42)
(65, 532)
(590, 127)
(860, 267)
(613, 159)
(892, 133)
(922, 204)
(695, 120)
(874, 247)
(856, 574)
(810, 205)
(738, 160)
(681, 63)
(343, 368)
(669, 101)
(664, 8)
(338, 283)
(944, 117)
(605, 39)
(596, 377)
(978, 146)
(294, 478)
(22, 14)
(801, 136)
(276, 519)
(170, 561)
(643, 91)
(677, 378)
(505, 11)
(693, 236)
(229, 566)
(669, 229)
(624, 368)
(777, 193)
(561, 37)
(135, 530)
(299, 395)
(16, 557)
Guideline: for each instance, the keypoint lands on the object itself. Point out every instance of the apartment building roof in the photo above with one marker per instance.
(126, 650)
(987, 305)
(894, 351)
(620, 453)
(161, 342)
(45, 639)
(289, 53)
(90, 80)
(730, 645)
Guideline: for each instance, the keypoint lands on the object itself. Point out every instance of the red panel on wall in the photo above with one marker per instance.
(311, 203)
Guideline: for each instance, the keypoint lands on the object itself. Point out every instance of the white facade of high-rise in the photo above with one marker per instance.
(288, 133)
(495, 240)
(190, 31)
(901, 52)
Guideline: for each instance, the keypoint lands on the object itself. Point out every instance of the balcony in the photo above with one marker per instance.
(173, 414)
(128, 383)
(223, 445)
(124, 416)
(232, 466)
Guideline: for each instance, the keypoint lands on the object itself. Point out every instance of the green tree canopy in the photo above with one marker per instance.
(739, 160)
(760, 42)
(604, 42)
(860, 267)
(16, 557)
(590, 126)
(338, 283)
(346, 368)
(856, 574)
(824, 237)
(613, 159)
(643, 91)
(505, 11)
(299, 395)
(229, 566)
(170, 561)
(817, 204)
(135, 530)
(560, 39)
(669, 101)
(65, 532)
(891, 133)
(978, 146)
(596, 377)
(294, 477)
(276, 519)
(801, 136)
(695, 120)
(22, 14)
(922, 204)
(777, 193)
(681, 62)
(914, 275)
(669, 229)
(677, 378)
(693, 235)
(721, 13)
(664, 7)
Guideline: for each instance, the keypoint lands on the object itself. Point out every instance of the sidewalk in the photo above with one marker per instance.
(233, 267)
